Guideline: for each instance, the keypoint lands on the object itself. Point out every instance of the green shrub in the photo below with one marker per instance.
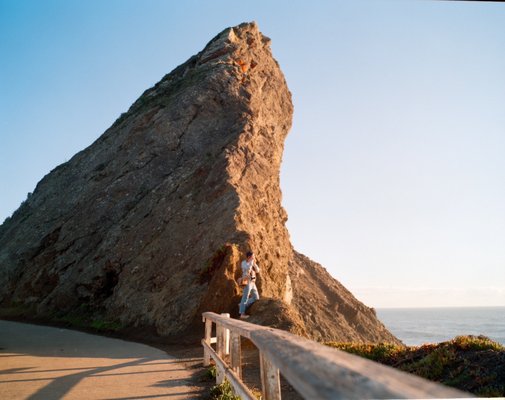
(100, 325)
(433, 365)
(16, 309)
(223, 391)
(475, 343)
(470, 363)
(491, 391)
(211, 372)
(375, 352)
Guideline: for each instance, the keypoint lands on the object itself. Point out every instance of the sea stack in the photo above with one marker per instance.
(147, 226)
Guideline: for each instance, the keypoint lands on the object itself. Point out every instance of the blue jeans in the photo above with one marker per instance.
(249, 296)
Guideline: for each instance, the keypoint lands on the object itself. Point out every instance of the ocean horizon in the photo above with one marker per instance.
(417, 326)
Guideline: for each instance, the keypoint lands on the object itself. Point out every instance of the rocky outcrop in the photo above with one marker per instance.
(147, 226)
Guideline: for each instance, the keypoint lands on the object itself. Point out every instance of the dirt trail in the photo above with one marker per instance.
(39, 362)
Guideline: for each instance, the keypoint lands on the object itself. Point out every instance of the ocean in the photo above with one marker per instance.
(415, 326)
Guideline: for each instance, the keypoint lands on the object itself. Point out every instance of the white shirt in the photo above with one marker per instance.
(249, 268)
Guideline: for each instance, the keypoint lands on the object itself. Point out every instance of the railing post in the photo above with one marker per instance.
(270, 380)
(236, 354)
(220, 348)
(226, 336)
(208, 333)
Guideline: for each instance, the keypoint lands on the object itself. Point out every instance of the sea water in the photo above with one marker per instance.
(415, 326)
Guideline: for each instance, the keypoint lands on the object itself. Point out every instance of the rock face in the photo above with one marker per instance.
(147, 226)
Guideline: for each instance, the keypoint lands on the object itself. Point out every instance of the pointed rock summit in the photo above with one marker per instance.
(147, 226)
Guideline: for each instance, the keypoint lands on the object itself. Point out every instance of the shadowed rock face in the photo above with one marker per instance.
(147, 226)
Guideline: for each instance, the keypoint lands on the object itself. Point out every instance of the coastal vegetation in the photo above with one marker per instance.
(223, 391)
(474, 364)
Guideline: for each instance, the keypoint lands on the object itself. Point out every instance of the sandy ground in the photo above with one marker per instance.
(39, 362)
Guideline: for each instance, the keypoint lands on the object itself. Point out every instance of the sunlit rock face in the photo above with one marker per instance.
(147, 226)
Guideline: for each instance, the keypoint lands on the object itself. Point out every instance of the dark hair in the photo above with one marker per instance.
(249, 254)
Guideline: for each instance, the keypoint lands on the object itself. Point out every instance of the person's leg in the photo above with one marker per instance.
(245, 296)
(253, 295)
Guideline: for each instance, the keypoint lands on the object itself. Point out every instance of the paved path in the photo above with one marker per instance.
(38, 362)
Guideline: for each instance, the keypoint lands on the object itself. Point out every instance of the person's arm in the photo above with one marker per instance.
(256, 267)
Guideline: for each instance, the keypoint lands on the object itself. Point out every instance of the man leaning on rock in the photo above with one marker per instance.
(250, 294)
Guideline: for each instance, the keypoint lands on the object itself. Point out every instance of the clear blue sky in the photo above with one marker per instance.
(394, 171)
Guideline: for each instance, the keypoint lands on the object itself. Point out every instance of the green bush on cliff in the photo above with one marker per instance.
(433, 366)
(16, 310)
(471, 363)
(106, 326)
(376, 352)
(476, 343)
(84, 318)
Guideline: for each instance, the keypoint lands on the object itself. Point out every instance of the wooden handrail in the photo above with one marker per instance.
(314, 370)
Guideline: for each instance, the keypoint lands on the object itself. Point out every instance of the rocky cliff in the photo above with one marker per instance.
(147, 226)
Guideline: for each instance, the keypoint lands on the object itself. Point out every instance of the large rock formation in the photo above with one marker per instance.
(147, 226)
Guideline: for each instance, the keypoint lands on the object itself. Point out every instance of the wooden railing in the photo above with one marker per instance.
(314, 370)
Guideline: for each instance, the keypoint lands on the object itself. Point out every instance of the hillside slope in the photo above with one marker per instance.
(147, 226)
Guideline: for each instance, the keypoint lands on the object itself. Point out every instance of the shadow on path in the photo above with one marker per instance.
(66, 365)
